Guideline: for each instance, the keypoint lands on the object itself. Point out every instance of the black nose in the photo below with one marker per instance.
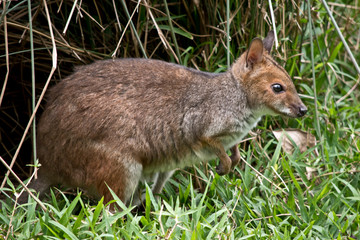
(302, 111)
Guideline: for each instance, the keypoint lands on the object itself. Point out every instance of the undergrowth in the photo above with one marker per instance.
(272, 194)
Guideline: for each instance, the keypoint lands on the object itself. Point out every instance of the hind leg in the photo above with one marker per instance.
(160, 181)
(157, 180)
(139, 194)
(123, 181)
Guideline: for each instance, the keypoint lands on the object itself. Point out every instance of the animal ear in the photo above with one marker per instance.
(255, 52)
(269, 41)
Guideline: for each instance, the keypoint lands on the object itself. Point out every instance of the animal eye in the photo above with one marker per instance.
(277, 88)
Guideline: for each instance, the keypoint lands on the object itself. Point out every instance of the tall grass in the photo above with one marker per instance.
(272, 195)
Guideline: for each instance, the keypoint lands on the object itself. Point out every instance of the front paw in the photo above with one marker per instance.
(221, 169)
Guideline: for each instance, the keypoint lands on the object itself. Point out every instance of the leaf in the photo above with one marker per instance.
(335, 52)
(77, 223)
(177, 31)
(97, 211)
(66, 231)
(290, 138)
(64, 220)
(147, 203)
(303, 140)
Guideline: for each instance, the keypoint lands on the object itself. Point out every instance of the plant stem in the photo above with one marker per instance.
(172, 31)
(133, 27)
(341, 36)
(33, 99)
(317, 127)
(228, 33)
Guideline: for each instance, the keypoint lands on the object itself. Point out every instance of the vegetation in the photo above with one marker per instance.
(311, 192)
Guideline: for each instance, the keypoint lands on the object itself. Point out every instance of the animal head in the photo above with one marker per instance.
(269, 88)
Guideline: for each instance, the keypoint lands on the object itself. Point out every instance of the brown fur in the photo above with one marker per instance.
(124, 121)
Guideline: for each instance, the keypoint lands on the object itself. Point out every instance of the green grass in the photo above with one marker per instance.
(268, 198)
(241, 205)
